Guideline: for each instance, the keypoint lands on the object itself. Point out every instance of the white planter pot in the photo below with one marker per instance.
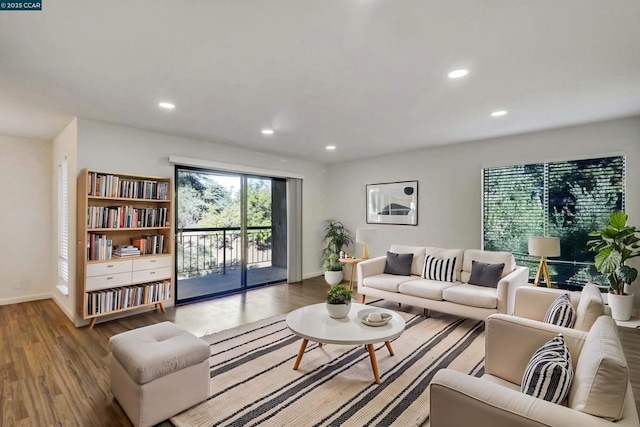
(621, 306)
(333, 277)
(338, 311)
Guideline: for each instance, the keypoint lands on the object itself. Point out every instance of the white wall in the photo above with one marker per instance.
(65, 145)
(450, 180)
(25, 220)
(114, 148)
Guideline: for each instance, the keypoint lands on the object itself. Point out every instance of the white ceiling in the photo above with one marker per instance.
(369, 76)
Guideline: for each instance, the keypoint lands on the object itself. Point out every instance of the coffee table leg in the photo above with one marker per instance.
(374, 363)
(300, 353)
(388, 344)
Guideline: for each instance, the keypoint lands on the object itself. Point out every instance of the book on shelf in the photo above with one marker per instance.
(154, 243)
(126, 250)
(140, 243)
(105, 301)
(126, 217)
(104, 185)
(99, 247)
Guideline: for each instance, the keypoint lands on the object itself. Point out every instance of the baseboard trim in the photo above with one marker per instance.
(26, 298)
(311, 275)
(56, 298)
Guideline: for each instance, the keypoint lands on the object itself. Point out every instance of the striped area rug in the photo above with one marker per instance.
(253, 383)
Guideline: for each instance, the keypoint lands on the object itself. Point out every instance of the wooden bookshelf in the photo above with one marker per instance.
(112, 210)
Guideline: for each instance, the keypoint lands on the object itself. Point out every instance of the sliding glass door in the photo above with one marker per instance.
(231, 232)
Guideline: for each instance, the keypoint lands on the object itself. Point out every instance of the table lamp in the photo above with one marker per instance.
(364, 236)
(544, 247)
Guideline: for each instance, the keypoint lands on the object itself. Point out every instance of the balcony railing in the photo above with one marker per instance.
(203, 251)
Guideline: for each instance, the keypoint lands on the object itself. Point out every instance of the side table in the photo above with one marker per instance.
(353, 262)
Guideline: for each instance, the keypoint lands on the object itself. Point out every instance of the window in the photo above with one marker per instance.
(561, 199)
(63, 224)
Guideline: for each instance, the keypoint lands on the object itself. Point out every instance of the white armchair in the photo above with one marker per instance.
(600, 388)
(532, 302)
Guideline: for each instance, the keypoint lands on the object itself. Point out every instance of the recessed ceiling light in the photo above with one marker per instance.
(167, 105)
(498, 113)
(267, 131)
(456, 74)
(330, 147)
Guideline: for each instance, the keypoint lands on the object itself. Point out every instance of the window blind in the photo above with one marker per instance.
(565, 199)
(63, 223)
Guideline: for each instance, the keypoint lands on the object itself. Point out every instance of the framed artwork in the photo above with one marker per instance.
(393, 203)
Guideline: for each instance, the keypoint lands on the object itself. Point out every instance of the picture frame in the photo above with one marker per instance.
(392, 203)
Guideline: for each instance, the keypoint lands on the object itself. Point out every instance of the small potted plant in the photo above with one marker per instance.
(615, 244)
(335, 237)
(339, 301)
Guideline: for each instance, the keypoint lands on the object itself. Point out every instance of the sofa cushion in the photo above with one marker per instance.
(589, 308)
(418, 256)
(386, 282)
(561, 312)
(548, 374)
(489, 257)
(447, 253)
(483, 274)
(398, 264)
(439, 269)
(424, 288)
(472, 295)
(601, 376)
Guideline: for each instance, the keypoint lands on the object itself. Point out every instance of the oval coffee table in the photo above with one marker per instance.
(312, 323)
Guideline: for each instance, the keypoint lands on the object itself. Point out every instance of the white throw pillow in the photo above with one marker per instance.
(549, 372)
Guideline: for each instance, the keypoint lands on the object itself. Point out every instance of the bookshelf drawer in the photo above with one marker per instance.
(95, 283)
(148, 263)
(151, 275)
(112, 267)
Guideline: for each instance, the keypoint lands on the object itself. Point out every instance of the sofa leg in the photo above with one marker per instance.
(426, 313)
(399, 305)
(363, 298)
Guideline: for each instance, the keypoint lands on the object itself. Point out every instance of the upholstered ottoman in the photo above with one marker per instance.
(158, 371)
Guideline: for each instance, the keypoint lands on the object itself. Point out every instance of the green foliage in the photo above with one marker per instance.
(562, 199)
(199, 197)
(339, 294)
(615, 244)
(204, 203)
(331, 262)
(335, 237)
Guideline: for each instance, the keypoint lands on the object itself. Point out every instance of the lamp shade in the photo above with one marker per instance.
(544, 246)
(364, 235)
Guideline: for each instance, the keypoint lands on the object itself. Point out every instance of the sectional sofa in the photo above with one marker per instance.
(457, 297)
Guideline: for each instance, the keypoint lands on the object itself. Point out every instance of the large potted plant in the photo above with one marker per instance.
(339, 301)
(335, 236)
(615, 244)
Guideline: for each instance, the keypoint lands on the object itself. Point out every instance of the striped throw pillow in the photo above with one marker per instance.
(561, 312)
(549, 372)
(439, 269)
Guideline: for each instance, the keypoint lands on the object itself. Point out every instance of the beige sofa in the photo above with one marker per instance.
(458, 298)
(600, 391)
(533, 303)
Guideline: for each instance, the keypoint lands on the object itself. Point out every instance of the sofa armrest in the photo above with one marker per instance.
(507, 287)
(370, 267)
(487, 404)
(511, 341)
(533, 302)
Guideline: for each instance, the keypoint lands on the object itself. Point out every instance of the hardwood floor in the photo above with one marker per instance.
(54, 374)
